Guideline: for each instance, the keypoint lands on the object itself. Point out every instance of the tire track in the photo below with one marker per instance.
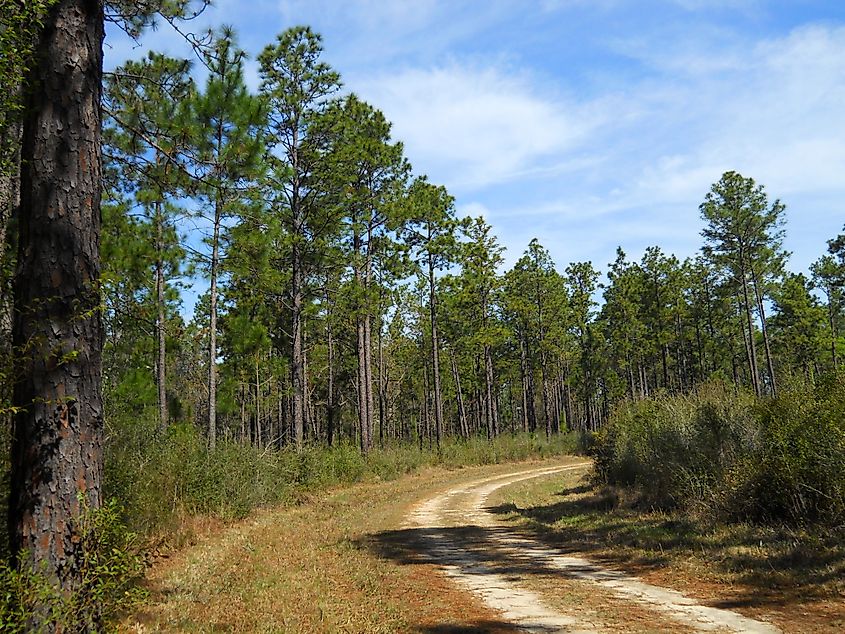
(466, 541)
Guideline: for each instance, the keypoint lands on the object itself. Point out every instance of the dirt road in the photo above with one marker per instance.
(490, 560)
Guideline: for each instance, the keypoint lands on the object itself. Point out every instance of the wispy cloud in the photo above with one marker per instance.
(476, 126)
(639, 171)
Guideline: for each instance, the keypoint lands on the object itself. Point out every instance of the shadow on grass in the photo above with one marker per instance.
(770, 566)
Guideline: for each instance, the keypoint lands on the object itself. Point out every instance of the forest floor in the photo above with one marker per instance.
(520, 547)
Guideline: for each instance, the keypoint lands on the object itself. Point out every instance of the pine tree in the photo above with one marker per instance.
(829, 276)
(365, 175)
(227, 152)
(146, 140)
(743, 239)
(429, 231)
(297, 85)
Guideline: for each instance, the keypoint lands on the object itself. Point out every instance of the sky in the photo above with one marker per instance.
(588, 124)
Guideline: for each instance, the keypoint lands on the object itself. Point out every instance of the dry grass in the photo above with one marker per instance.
(304, 569)
(793, 578)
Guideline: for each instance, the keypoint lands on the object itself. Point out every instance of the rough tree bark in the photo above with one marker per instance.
(9, 200)
(57, 333)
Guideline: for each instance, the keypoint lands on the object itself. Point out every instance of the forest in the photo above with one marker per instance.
(346, 310)
(346, 299)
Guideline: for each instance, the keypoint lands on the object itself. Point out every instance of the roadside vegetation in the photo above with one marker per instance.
(350, 325)
(792, 575)
(167, 490)
(719, 453)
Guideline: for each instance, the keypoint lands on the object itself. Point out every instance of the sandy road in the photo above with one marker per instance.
(487, 558)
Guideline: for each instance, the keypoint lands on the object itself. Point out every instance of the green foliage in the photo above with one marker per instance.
(110, 566)
(161, 478)
(724, 452)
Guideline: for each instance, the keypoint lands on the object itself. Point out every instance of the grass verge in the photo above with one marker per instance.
(308, 569)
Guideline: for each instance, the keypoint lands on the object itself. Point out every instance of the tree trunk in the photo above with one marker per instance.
(363, 415)
(758, 294)
(297, 366)
(435, 353)
(752, 346)
(833, 334)
(212, 329)
(330, 387)
(10, 143)
(459, 395)
(161, 357)
(368, 379)
(57, 447)
(10, 155)
(492, 409)
(529, 419)
(382, 389)
(258, 435)
(547, 412)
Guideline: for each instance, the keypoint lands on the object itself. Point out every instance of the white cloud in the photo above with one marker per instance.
(638, 175)
(777, 117)
(470, 127)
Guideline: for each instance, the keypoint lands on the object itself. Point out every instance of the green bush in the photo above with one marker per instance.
(110, 565)
(723, 452)
(800, 474)
(161, 477)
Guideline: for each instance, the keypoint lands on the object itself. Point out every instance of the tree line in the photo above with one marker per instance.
(347, 299)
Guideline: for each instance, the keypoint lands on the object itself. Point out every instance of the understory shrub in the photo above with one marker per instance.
(161, 477)
(110, 563)
(726, 453)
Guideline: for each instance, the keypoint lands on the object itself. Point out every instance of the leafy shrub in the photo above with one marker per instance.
(800, 473)
(162, 477)
(719, 451)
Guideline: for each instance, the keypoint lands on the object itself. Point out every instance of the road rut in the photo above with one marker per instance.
(446, 520)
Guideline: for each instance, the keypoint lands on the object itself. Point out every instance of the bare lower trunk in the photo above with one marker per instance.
(547, 412)
(363, 414)
(161, 357)
(57, 447)
(492, 410)
(212, 332)
(435, 354)
(529, 420)
(459, 395)
(758, 294)
(9, 201)
(368, 379)
(752, 346)
(297, 366)
(382, 389)
(833, 334)
(330, 387)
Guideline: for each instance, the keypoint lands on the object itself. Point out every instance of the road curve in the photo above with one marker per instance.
(459, 535)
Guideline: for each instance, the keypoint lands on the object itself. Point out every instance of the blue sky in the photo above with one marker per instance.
(590, 123)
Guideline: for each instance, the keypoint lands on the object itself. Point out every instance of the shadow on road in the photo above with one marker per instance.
(479, 627)
(770, 567)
